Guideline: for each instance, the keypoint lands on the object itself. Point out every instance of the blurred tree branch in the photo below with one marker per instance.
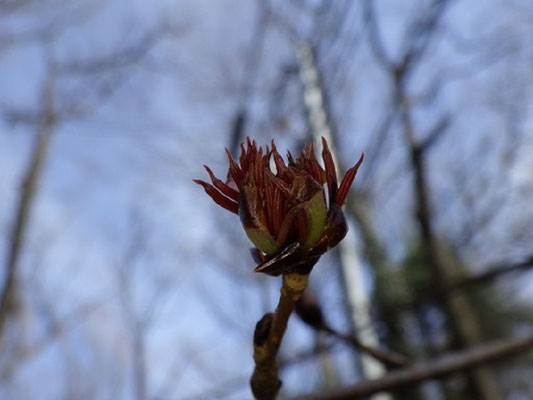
(252, 64)
(55, 107)
(431, 369)
(308, 309)
(28, 191)
(417, 40)
(58, 327)
(439, 292)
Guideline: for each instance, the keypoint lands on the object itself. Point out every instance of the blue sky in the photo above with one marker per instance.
(129, 162)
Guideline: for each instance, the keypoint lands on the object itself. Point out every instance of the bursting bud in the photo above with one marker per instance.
(285, 213)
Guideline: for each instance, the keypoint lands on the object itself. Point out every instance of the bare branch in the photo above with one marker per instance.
(252, 64)
(121, 58)
(27, 195)
(58, 327)
(432, 369)
(435, 293)
(308, 309)
(376, 43)
(436, 132)
(268, 335)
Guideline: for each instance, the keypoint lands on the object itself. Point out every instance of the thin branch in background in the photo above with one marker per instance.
(306, 355)
(251, 70)
(124, 57)
(309, 311)
(52, 113)
(458, 308)
(57, 328)
(379, 137)
(438, 293)
(436, 132)
(375, 40)
(431, 369)
(417, 40)
(421, 32)
(29, 188)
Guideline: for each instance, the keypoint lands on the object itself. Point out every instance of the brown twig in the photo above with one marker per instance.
(310, 312)
(268, 334)
(389, 359)
(446, 365)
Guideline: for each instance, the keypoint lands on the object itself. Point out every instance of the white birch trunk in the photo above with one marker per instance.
(356, 293)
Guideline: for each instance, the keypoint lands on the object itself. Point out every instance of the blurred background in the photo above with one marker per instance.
(121, 279)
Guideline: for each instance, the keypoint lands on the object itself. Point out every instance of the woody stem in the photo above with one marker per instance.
(268, 334)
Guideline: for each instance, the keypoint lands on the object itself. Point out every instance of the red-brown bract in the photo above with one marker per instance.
(285, 213)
